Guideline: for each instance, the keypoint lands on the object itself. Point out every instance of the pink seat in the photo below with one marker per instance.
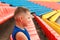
(32, 31)
(52, 5)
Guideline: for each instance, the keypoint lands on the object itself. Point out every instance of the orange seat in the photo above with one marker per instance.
(6, 13)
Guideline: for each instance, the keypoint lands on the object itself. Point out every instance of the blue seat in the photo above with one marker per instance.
(12, 0)
(31, 6)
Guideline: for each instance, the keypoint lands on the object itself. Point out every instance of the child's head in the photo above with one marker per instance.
(22, 15)
(21, 11)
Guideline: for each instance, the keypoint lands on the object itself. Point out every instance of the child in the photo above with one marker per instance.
(22, 16)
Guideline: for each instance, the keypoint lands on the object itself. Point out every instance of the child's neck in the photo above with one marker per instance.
(18, 24)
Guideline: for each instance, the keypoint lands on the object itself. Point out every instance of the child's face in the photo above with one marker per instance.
(24, 18)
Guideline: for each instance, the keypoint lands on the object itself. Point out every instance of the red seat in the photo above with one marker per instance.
(49, 32)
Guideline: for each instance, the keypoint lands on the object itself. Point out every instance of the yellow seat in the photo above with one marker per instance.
(55, 17)
(49, 14)
(52, 24)
(55, 23)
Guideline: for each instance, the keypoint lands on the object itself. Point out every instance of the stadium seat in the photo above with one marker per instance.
(48, 31)
(31, 6)
(47, 15)
(52, 5)
(6, 13)
(32, 31)
(54, 18)
(51, 24)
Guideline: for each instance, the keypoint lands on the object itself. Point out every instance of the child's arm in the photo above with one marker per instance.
(19, 36)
